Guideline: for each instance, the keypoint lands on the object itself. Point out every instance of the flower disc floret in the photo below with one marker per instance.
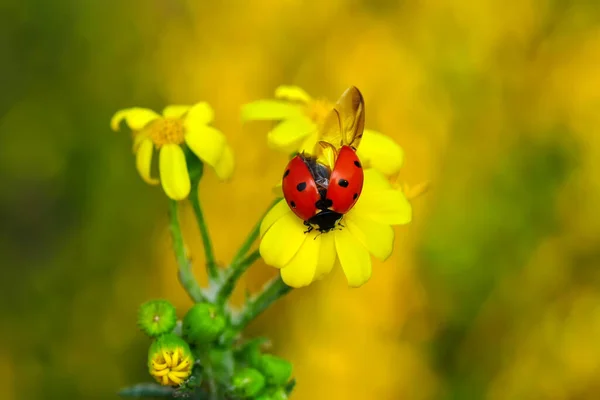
(170, 360)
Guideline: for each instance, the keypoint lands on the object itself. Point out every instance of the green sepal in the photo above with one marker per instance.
(157, 317)
(277, 370)
(248, 382)
(203, 323)
(194, 164)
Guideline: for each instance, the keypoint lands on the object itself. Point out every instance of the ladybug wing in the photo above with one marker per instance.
(299, 188)
(344, 124)
(346, 181)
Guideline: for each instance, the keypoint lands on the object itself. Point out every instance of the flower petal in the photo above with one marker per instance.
(290, 132)
(206, 142)
(278, 189)
(282, 241)
(175, 111)
(173, 172)
(292, 93)
(377, 237)
(275, 213)
(309, 142)
(354, 258)
(269, 110)
(388, 206)
(136, 118)
(380, 152)
(143, 160)
(226, 164)
(301, 269)
(327, 255)
(375, 180)
(199, 114)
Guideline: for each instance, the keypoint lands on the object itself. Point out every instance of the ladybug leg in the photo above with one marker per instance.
(310, 227)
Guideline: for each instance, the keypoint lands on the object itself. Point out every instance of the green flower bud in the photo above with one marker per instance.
(248, 382)
(250, 351)
(277, 370)
(203, 323)
(170, 360)
(279, 394)
(157, 317)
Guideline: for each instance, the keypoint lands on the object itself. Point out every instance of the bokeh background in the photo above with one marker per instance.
(492, 291)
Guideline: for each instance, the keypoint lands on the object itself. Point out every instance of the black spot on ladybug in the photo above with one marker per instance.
(286, 173)
(343, 183)
(355, 196)
(357, 164)
(292, 204)
(301, 186)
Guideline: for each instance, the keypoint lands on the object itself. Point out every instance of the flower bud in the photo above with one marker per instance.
(203, 323)
(170, 360)
(248, 382)
(277, 370)
(157, 317)
(277, 394)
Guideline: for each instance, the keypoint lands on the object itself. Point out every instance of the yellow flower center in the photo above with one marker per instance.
(318, 109)
(171, 368)
(166, 131)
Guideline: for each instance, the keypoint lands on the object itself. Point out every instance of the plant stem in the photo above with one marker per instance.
(186, 277)
(211, 265)
(271, 292)
(235, 272)
(252, 236)
(239, 264)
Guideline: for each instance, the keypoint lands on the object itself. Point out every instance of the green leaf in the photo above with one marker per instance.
(147, 390)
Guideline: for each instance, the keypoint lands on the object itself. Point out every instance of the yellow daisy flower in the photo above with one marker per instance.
(366, 229)
(177, 125)
(300, 117)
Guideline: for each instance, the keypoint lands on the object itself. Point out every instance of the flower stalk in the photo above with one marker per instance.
(186, 277)
(271, 292)
(211, 264)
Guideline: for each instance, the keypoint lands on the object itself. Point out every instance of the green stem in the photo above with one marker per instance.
(211, 265)
(239, 264)
(186, 277)
(252, 236)
(272, 291)
(236, 271)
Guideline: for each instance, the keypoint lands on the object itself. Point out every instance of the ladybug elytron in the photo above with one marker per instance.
(316, 193)
(319, 196)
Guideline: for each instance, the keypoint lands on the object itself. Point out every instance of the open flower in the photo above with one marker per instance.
(166, 133)
(170, 360)
(300, 117)
(366, 229)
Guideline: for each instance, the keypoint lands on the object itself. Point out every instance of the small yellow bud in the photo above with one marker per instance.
(170, 360)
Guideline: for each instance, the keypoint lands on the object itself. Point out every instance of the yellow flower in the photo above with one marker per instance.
(170, 360)
(167, 132)
(366, 228)
(300, 117)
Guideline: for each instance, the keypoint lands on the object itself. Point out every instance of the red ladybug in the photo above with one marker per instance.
(319, 196)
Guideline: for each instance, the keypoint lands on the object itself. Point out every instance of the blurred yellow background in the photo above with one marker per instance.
(492, 291)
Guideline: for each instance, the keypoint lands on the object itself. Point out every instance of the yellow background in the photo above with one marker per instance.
(492, 291)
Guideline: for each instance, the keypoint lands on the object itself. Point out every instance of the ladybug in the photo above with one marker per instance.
(319, 196)
(320, 193)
